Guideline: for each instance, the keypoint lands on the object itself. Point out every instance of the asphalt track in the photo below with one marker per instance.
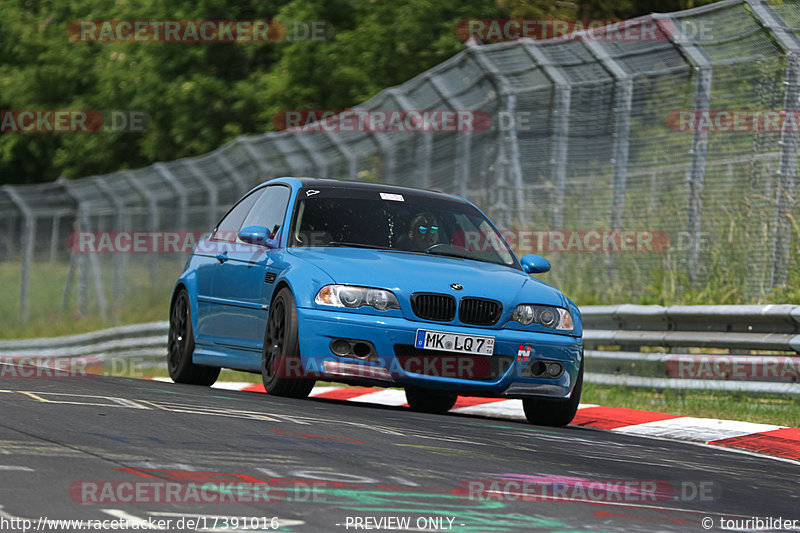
(68, 445)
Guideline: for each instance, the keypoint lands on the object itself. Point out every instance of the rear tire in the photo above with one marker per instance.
(280, 356)
(430, 401)
(180, 346)
(557, 413)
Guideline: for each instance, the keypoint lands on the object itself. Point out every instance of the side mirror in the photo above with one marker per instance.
(258, 235)
(534, 264)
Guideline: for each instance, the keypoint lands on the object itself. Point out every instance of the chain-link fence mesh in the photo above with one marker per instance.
(580, 139)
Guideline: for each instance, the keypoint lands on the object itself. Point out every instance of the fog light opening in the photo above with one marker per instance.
(554, 370)
(362, 350)
(341, 347)
(538, 368)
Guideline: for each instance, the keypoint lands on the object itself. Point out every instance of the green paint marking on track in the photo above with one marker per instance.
(476, 515)
(158, 390)
(521, 428)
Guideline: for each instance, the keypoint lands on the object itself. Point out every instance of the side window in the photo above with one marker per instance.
(230, 225)
(269, 210)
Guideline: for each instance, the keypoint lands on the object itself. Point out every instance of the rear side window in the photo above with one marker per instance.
(230, 225)
(269, 210)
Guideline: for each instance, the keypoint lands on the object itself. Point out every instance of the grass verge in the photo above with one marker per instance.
(747, 407)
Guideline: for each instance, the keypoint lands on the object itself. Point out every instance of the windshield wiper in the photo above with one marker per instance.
(358, 245)
(460, 256)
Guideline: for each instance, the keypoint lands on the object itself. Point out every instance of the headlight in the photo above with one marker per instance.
(545, 315)
(351, 296)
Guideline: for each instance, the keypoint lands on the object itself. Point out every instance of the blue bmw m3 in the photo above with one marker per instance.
(316, 279)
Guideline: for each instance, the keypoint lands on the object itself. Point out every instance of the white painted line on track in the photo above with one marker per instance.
(502, 409)
(696, 429)
(382, 397)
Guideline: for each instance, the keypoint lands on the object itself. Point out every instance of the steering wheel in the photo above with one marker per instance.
(437, 246)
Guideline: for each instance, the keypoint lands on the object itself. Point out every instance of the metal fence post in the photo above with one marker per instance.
(154, 219)
(320, 161)
(695, 176)
(787, 170)
(119, 259)
(423, 148)
(787, 174)
(349, 156)
(213, 195)
(464, 143)
(180, 192)
(54, 232)
(508, 149)
(622, 124)
(83, 216)
(241, 182)
(247, 142)
(560, 118)
(27, 237)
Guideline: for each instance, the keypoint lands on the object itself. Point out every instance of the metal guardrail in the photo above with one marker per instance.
(137, 339)
(745, 348)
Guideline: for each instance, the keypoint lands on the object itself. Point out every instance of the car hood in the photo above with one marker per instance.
(406, 273)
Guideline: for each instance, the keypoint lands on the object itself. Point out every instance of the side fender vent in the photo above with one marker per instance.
(269, 277)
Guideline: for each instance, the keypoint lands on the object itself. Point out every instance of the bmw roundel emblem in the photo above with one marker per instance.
(456, 286)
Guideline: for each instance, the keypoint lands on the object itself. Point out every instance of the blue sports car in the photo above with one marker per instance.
(306, 279)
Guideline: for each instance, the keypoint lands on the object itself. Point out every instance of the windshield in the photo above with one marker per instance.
(405, 223)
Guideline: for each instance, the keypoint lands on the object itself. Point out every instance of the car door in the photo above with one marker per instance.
(215, 249)
(205, 265)
(244, 282)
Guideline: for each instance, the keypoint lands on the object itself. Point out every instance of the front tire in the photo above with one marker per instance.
(430, 401)
(180, 346)
(280, 357)
(556, 413)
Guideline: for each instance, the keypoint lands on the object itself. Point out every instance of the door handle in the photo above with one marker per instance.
(222, 257)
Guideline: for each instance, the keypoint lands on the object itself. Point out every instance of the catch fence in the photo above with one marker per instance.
(586, 135)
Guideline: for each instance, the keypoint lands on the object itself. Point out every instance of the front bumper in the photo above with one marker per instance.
(318, 327)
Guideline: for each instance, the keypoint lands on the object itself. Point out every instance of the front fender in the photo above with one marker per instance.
(304, 279)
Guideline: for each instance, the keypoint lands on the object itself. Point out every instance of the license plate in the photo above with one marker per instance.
(454, 342)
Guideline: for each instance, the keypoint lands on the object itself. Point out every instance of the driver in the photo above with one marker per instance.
(423, 232)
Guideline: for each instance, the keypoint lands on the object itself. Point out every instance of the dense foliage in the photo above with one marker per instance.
(200, 95)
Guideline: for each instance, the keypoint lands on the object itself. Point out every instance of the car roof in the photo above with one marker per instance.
(361, 185)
